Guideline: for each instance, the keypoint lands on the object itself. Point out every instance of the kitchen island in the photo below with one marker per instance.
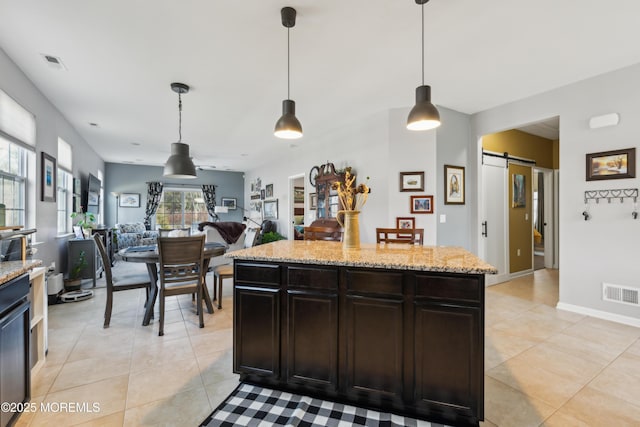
(397, 328)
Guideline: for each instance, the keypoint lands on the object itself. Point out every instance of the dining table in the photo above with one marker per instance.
(149, 255)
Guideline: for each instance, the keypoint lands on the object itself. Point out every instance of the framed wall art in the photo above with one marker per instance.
(48, 174)
(614, 164)
(411, 181)
(422, 204)
(130, 200)
(405, 223)
(519, 191)
(313, 201)
(270, 209)
(298, 195)
(268, 191)
(453, 185)
(229, 202)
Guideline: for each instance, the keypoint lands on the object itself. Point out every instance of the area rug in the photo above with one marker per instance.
(250, 405)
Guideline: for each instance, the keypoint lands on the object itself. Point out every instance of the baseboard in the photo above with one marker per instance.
(605, 315)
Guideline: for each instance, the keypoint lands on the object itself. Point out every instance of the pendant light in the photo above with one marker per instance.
(288, 126)
(424, 115)
(179, 164)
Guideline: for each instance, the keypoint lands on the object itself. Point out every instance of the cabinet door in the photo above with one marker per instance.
(448, 359)
(15, 383)
(312, 341)
(374, 341)
(256, 331)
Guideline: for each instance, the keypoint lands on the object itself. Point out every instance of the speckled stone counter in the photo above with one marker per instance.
(12, 269)
(393, 256)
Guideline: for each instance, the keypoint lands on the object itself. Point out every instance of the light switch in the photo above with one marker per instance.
(526, 217)
(443, 218)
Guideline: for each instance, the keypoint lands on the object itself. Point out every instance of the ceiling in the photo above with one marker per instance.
(349, 59)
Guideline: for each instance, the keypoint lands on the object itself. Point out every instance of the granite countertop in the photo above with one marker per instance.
(13, 269)
(409, 257)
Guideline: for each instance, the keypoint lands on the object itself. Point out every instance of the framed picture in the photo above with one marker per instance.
(270, 209)
(262, 194)
(611, 164)
(255, 196)
(422, 204)
(229, 202)
(313, 201)
(256, 206)
(298, 195)
(269, 191)
(519, 191)
(453, 185)
(411, 181)
(48, 178)
(405, 223)
(130, 200)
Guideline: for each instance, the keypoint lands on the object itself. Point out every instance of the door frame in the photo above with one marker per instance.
(292, 179)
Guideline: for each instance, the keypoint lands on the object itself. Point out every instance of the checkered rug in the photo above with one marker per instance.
(250, 405)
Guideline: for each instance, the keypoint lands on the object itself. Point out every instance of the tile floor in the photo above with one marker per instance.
(544, 367)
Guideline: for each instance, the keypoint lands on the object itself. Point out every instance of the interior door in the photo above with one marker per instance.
(549, 220)
(494, 238)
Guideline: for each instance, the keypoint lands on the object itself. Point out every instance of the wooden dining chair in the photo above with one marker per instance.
(181, 262)
(400, 235)
(322, 233)
(166, 232)
(119, 283)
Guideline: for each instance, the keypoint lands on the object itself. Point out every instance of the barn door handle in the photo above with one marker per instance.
(484, 229)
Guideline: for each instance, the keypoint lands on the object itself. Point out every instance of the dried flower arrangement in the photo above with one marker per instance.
(352, 197)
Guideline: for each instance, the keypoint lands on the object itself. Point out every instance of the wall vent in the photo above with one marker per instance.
(54, 62)
(621, 294)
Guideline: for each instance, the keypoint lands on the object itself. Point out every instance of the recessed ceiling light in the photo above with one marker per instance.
(95, 125)
(244, 154)
(135, 143)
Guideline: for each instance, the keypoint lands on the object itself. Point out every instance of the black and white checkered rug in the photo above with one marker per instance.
(250, 405)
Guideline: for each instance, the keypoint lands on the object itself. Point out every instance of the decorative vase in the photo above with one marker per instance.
(351, 225)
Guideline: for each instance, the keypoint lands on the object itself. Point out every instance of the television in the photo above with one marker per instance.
(93, 195)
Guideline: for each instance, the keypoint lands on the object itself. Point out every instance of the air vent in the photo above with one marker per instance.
(54, 62)
(621, 294)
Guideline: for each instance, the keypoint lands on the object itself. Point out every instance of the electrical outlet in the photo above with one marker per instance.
(518, 252)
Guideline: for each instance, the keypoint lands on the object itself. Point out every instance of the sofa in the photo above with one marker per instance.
(134, 234)
(213, 235)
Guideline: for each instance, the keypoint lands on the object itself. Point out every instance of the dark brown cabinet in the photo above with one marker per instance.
(404, 341)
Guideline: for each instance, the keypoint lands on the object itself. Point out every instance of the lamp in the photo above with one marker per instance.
(179, 164)
(424, 115)
(117, 196)
(288, 126)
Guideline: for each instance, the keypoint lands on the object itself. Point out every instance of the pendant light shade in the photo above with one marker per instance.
(288, 126)
(179, 164)
(424, 115)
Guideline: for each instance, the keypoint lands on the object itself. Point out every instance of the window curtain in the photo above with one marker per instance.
(154, 192)
(209, 192)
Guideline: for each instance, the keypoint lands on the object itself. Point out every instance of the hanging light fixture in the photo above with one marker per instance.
(179, 164)
(424, 115)
(288, 126)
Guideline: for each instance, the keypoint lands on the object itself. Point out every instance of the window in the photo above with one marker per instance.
(17, 159)
(181, 209)
(65, 190)
(13, 180)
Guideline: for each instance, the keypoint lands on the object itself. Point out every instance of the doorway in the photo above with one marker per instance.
(296, 205)
(502, 243)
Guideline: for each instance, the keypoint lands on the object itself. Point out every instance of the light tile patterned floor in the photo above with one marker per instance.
(543, 366)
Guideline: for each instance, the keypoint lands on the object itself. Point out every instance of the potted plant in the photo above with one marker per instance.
(85, 220)
(74, 281)
(272, 236)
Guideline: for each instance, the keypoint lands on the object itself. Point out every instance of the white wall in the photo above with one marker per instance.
(50, 124)
(378, 147)
(603, 249)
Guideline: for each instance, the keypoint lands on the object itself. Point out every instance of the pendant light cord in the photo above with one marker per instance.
(179, 117)
(422, 44)
(288, 66)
